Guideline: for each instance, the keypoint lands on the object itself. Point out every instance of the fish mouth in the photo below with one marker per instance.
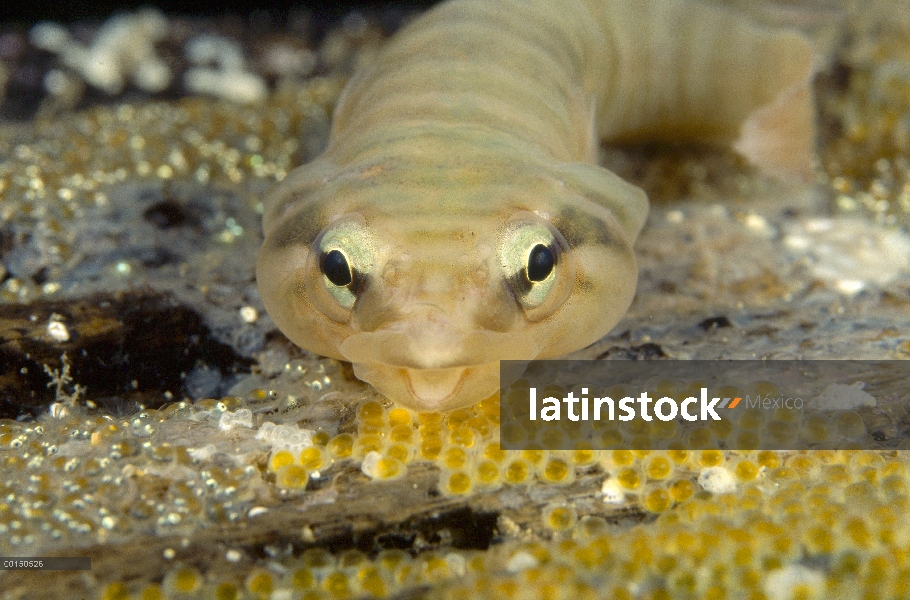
(429, 367)
(432, 390)
(435, 387)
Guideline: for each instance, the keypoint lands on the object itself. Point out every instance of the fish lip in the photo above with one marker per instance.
(465, 371)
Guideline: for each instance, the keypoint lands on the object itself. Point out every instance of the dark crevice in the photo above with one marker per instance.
(715, 323)
(127, 350)
(461, 528)
(649, 351)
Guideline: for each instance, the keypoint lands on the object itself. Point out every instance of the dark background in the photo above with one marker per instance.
(27, 12)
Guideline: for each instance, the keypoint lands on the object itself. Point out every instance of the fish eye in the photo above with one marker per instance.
(541, 261)
(341, 265)
(533, 256)
(334, 265)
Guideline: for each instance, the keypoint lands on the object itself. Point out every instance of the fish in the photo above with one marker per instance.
(458, 217)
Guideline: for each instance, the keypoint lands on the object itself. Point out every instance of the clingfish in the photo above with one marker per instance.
(458, 216)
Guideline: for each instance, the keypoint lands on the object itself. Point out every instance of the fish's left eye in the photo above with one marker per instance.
(336, 269)
(536, 264)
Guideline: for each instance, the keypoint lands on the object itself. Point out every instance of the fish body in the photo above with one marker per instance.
(458, 216)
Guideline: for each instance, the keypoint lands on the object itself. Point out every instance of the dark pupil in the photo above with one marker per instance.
(540, 263)
(336, 268)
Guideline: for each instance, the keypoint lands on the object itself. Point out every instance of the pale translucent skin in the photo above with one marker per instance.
(471, 140)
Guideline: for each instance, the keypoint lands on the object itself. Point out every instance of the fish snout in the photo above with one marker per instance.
(429, 364)
(428, 344)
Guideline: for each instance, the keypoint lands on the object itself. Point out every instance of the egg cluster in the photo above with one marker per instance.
(464, 444)
(64, 167)
(77, 476)
(314, 574)
(814, 524)
(773, 539)
(764, 524)
(728, 523)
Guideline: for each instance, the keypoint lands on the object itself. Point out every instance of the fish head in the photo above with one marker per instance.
(425, 302)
